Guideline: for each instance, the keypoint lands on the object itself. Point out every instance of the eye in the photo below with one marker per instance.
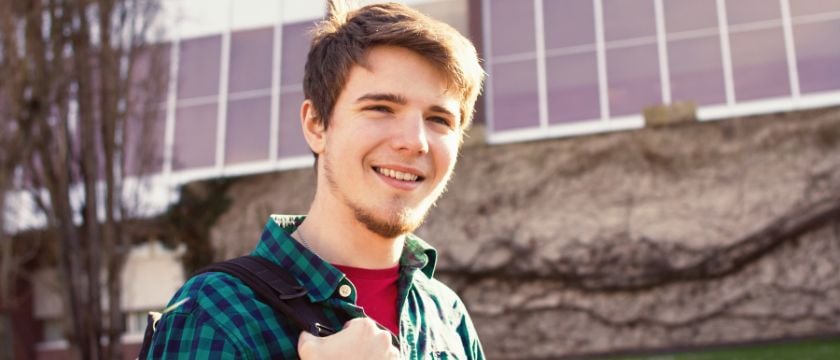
(379, 108)
(440, 120)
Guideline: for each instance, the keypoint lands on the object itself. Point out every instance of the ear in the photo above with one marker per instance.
(313, 127)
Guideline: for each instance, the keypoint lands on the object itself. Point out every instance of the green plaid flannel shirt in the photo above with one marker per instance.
(222, 319)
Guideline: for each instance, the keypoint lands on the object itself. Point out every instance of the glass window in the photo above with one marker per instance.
(296, 41)
(759, 64)
(747, 11)
(291, 141)
(198, 67)
(628, 19)
(195, 137)
(250, 60)
(818, 55)
(150, 74)
(515, 99)
(696, 70)
(248, 130)
(513, 27)
(568, 23)
(144, 142)
(688, 15)
(573, 88)
(633, 79)
(811, 7)
(52, 330)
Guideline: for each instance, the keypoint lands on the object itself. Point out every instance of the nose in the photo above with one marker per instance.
(410, 137)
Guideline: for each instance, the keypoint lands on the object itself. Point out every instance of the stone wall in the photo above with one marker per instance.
(688, 235)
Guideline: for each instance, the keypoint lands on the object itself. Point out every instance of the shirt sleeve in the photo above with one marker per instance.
(469, 337)
(191, 335)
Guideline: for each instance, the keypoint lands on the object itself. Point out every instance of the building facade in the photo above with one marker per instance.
(560, 71)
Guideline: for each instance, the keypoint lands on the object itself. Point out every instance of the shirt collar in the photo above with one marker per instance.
(417, 254)
(318, 276)
(276, 244)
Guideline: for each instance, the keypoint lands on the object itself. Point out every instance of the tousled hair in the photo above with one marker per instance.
(344, 37)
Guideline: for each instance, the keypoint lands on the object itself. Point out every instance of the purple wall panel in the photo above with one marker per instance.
(687, 15)
(818, 60)
(628, 19)
(248, 130)
(513, 22)
(150, 74)
(759, 64)
(291, 141)
(696, 71)
(144, 143)
(515, 100)
(195, 137)
(810, 7)
(573, 88)
(747, 11)
(199, 66)
(757, 50)
(294, 50)
(250, 60)
(633, 79)
(568, 23)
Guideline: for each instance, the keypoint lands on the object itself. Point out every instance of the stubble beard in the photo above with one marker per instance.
(401, 222)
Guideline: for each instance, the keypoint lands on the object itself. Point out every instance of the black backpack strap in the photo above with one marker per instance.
(275, 286)
(151, 321)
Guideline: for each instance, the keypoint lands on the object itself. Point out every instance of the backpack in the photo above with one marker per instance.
(273, 285)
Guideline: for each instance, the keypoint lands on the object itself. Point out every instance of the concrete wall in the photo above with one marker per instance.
(693, 234)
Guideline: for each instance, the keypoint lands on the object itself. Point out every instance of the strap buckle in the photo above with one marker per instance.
(322, 330)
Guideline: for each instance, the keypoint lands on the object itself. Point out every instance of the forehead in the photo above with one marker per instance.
(390, 69)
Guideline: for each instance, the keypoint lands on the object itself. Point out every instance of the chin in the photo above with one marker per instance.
(392, 223)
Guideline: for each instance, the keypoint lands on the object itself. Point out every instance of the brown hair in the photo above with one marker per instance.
(343, 38)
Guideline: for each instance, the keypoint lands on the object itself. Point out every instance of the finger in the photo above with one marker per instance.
(353, 321)
(304, 338)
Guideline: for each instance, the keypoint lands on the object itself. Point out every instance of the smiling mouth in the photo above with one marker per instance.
(398, 175)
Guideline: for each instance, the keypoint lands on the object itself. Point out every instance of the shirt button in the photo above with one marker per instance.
(344, 290)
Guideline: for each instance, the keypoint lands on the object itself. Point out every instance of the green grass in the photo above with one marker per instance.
(825, 349)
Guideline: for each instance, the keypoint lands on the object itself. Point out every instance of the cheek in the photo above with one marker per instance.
(448, 153)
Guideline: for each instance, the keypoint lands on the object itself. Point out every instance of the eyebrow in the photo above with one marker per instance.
(401, 100)
(394, 98)
(442, 109)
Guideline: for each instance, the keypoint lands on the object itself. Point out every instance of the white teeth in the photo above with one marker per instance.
(399, 175)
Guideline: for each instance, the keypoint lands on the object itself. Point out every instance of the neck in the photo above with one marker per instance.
(332, 231)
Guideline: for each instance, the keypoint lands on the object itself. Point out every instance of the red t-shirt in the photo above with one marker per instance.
(376, 292)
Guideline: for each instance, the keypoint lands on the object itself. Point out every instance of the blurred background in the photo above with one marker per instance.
(645, 178)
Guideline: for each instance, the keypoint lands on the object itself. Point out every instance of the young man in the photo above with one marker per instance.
(389, 93)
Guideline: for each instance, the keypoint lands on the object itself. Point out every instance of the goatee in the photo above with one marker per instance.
(399, 224)
(390, 226)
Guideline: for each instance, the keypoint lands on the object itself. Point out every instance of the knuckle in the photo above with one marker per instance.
(353, 323)
(367, 324)
(382, 338)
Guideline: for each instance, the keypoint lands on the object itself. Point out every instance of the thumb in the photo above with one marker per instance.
(305, 337)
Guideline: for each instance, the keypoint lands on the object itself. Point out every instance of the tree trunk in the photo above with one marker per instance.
(65, 80)
(7, 276)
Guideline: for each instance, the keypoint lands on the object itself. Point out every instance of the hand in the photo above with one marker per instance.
(361, 338)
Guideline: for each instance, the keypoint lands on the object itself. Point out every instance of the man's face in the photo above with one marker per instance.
(392, 141)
